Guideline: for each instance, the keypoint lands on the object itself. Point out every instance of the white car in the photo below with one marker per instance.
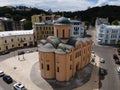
(1, 73)
(118, 69)
(19, 86)
(102, 60)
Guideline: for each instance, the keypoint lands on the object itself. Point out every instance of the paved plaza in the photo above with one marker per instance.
(25, 69)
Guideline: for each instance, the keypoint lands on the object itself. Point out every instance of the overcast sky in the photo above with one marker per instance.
(60, 5)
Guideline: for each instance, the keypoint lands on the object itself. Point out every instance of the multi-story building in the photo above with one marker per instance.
(61, 56)
(77, 28)
(100, 21)
(6, 24)
(15, 39)
(44, 18)
(108, 34)
(42, 30)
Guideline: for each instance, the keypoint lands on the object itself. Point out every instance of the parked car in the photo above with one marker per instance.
(102, 72)
(5, 52)
(7, 79)
(19, 86)
(118, 69)
(93, 52)
(29, 51)
(115, 56)
(117, 61)
(102, 60)
(1, 73)
(21, 52)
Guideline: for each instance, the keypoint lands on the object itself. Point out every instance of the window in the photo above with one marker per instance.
(42, 66)
(49, 28)
(12, 45)
(57, 69)
(63, 33)
(11, 40)
(5, 41)
(70, 57)
(48, 68)
(18, 44)
(36, 28)
(70, 67)
(57, 32)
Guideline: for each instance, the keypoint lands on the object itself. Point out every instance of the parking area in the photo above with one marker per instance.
(19, 69)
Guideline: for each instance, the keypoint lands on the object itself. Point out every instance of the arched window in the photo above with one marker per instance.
(63, 33)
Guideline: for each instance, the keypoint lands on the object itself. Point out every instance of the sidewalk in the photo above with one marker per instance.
(93, 83)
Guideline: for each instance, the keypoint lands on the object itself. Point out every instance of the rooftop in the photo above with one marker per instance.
(14, 33)
(62, 20)
(60, 47)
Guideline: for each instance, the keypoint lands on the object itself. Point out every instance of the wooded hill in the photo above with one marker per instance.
(89, 15)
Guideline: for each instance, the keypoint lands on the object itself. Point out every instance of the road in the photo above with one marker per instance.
(111, 81)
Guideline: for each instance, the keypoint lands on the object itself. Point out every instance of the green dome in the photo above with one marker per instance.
(63, 20)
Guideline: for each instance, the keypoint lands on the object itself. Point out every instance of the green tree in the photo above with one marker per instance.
(8, 15)
(115, 22)
(27, 25)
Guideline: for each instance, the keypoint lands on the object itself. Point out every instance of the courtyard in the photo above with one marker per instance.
(25, 69)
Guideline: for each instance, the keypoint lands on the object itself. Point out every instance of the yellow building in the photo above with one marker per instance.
(42, 30)
(43, 18)
(61, 56)
(15, 39)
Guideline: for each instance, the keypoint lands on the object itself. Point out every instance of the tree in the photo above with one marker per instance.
(115, 22)
(27, 25)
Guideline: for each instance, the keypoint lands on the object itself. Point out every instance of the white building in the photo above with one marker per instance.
(100, 21)
(77, 28)
(108, 34)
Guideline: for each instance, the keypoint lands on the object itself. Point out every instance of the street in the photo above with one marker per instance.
(111, 81)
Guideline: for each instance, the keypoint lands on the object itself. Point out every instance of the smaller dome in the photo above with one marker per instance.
(63, 20)
(60, 51)
(46, 48)
(54, 39)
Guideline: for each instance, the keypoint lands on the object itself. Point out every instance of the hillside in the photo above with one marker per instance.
(89, 15)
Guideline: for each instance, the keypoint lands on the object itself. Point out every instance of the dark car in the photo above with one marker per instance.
(117, 61)
(21, 52)
(115, 56)
(7, 79)
(102, 72)
(5, 52)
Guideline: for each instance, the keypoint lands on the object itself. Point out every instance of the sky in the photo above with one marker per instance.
(60, 5)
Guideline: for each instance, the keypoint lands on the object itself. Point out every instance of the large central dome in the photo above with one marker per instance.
(63, 20)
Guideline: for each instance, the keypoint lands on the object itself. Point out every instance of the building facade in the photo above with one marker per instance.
(44, 18)
(42, 30)
(108, 34)
(77, 28)
(61, 56)
(15, 39)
